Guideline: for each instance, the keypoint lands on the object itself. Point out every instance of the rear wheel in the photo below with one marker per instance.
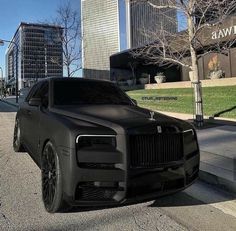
(17, 145)
(52, 181)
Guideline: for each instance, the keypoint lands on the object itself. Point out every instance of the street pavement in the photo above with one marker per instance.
(200, 207)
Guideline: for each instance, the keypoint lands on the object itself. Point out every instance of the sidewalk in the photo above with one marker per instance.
(218, 156)
(217, 147)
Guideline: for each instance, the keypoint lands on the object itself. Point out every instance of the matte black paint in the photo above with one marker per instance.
(63, 124)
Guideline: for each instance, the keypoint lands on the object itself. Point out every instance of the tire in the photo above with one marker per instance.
(17, 145)
(52, 190)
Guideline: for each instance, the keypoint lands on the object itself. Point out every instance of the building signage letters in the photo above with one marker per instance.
(224, 32)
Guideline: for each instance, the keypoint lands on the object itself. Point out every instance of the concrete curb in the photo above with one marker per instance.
(220, 120)
(217, 181)
(10, 103)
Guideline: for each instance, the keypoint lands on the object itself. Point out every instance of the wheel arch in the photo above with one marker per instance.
(45, 141)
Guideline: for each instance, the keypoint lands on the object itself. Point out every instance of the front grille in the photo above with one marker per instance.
(151, 150)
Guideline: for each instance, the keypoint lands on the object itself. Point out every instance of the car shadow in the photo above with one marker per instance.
(76, 209)
(104, 219)
(179, 199)
(185, 198)
(108, 217)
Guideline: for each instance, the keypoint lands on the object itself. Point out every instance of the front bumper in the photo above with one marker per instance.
(111, 180)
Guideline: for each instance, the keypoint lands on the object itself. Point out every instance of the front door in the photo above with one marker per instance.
(32, 124)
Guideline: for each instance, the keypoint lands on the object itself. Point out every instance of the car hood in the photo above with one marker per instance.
(117, 117)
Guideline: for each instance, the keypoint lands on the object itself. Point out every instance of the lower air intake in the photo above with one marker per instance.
(87, 192)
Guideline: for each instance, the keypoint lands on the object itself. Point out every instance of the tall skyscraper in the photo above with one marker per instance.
(143, 20)
(40, 54)
(100, 34)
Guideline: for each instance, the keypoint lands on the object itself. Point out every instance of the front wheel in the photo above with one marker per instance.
(52, 190)
(17, 145)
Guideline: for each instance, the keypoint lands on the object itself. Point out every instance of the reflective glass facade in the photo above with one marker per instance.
(143, 21)
(100, 29)
(40, 54)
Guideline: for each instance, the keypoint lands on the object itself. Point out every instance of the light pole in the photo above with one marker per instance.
(16, 46)
(2, 82)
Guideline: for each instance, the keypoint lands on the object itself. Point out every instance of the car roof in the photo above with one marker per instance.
(75, 79)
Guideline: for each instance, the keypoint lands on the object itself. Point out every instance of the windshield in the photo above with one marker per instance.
(88, 92)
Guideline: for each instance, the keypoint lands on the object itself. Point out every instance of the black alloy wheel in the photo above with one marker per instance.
(52, 180)
(17, 146)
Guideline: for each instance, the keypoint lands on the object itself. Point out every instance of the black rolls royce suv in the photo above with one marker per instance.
(95, 146)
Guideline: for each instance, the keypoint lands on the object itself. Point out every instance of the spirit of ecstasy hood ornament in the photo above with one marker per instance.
(152, 113)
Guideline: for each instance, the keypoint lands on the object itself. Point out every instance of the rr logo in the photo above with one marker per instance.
(159, 129)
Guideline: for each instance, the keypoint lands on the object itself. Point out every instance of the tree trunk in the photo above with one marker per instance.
(196, 81)
(68, 71)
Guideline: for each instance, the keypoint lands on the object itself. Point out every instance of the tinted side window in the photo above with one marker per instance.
(42, 93)
(32, 91)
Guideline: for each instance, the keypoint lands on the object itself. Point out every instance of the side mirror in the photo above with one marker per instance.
(134, 101)
(35, 102)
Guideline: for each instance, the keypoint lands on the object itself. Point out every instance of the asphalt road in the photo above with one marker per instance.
(201, 207)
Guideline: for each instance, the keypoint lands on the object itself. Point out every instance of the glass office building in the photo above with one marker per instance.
(40, 54)
(100, 34)
(143, 21)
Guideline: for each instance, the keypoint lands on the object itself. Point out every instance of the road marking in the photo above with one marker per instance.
(216, 198)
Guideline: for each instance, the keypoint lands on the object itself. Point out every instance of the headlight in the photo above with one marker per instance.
(190, 143)
(96, 141)
(189, 131)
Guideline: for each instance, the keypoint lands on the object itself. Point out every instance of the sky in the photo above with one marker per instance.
(12, 12)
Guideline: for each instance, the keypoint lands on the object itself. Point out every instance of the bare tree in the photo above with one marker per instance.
(69, 20)
(198, 18)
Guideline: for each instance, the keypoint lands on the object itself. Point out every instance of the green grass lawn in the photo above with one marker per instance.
(215, 100)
